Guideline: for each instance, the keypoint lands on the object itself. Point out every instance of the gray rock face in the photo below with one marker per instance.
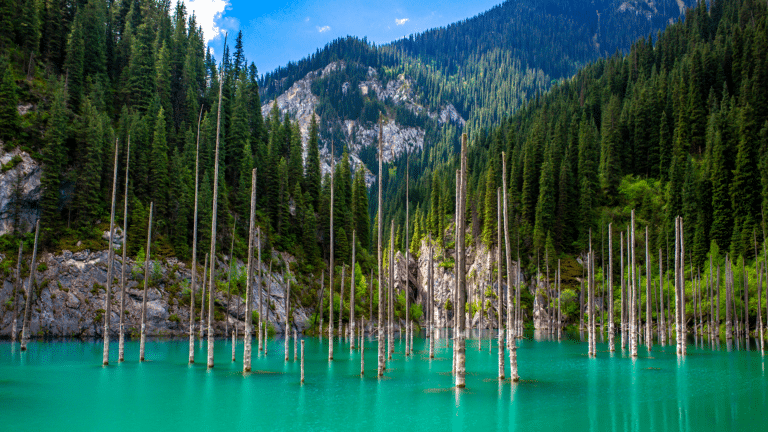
(19, 191)
(300, 103)
(70, 297)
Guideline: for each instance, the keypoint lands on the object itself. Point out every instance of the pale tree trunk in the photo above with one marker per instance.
(229, 279)
(611, 331)
(16, 284)
(202, 298)
(759, 306)
(559, 308)
(143, 338)
(455, 298)
(683, 324)
(499, 292)
(430, 302)
(461, 247)
(330, 284)
(234, 339)
(211, 286)
(30, 292)
(390, 289)
(623, 324)
(352, 296)
(362, 353)
(380, 334)
(259, 282)
(269, 299)
(193, 285)
(121, 343)
(287, 327)
(677, 286)
(322, 297)
(110, 264)
(302, 361)
(648, 317)
(295, 346)
(249, 282)
(511, 342)
(407, 261)
(634, 288)
(341, 303)
(662, 324)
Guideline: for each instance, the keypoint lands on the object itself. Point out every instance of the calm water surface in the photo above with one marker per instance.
(62, 386)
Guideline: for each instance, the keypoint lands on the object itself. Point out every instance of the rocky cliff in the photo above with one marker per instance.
(69, 298)
(19, 191)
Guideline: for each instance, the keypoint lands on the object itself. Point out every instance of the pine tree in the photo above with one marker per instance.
(74, 68)
(565, 216)
(545, 206)
(309, 232)
(141, 71)
(53, 159)
(610, 167)
(435, 210)
(744, 184)
(312, 176)
(282, 200)
(295, 162)
(722, 217)
(360, 209)
(244, 187)
(27, 26)
(87, 198)
(158, 169)
(489, 220)
(238, 60)
(9, 99)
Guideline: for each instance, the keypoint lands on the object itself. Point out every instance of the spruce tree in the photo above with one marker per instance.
(312, 176)
(360, 209)
(610, 165)
(87, 198)
(722, 217)
(295, 162)
(158, 169)
(745, 184)
(9, 99)
(489, 219)
(545, 206)
(53, 160)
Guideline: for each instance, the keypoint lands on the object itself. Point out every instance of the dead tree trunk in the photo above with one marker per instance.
(15, 300)
(511, 341)
(30, 292)
(193, 284)
(352, 296)
(249, 282)
(110, 263)
(330, 272)
(143, 339)
(380, 334)
(121, 343)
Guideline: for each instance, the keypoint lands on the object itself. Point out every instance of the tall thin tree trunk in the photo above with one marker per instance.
(634, 288)
(287, 326)
(146, 282)
(124, 264)
(648, 316)
(499, 292)
(623, 324)
(302, 361)
(268, 305)
(662, 325)
(229, 279)
(30, 292)
(211, 281)
(110, 264)
(390, 289)
(611, 345)
(249, 282)
(407, 260)
(455, 297)
(511, 342)
(260, 288)
(380, 207)
(322, 298)
(461, 246)
(341, 302)
(430, 302)
(352, 295)
(16, 284)
(202, 298)
(683, 323)
(331, 270)
(193, 285)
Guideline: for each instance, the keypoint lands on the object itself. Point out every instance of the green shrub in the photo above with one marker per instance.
(42, 267)
(174, 318)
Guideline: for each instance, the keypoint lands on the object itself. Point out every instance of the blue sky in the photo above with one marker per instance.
(275, 32)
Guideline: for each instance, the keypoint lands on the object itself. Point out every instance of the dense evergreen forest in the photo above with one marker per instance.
(675, 126)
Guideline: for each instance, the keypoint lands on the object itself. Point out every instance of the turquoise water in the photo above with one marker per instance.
(62, 386)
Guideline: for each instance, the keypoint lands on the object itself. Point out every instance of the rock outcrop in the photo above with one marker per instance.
(70, 295)
(19, 191)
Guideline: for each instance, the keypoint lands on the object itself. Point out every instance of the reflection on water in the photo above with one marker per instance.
(561, 388)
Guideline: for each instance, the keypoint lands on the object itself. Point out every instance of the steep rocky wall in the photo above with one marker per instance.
(19, 190)
(71, 300)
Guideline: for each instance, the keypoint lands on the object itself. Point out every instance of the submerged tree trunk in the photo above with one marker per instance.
(390, 290)
(430, 301)
(341, 302)
(110, 263)
(193, 285)
(623, 324)
(462, 288)
(634, 289)
(121, 343)
(330, 284)
(211, 281)
(269, 298)
(302, 361)
(611, 332)
(662, 325)
(143, 338)
(499, 292)
(229, 278)
(380, 334)
(249, 281)
(202, 298)
(30, 292)
(511, 342)
(407, 261)
(16, 284)
(352, 296)
(322, 298)
(287, 326)
(648, 334)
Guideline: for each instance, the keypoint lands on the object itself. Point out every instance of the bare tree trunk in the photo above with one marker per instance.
(211, 281)
(302, 361)
(634, 288)
(202, 298)
(499, 312)
(648, 317)
(121, 343)
(683, 323)
(380, 334)
(662, 325)
(746, 301)
(461, 247)
(249, 282)
(390, 290)
(677, 286)
(229, 279)
(559, 293)
(362, 349)
(295, 345)
(407, 260)
(146, 282)
(322, 298)
(259, 286)
(287, 326)
(455, 293)
(728, 301)
(431, 301)
(268, 299)
(341, 302)
(110, 264)
(193, 285)
(16, 284)
(623, 325)
(331, 271)
(352, 296)
(30, 292)
(511, 342)
(611, 345)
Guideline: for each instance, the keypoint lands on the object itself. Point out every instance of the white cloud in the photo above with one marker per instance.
(401, 21)
(207, 12)
(324, 29)
(306, 19)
